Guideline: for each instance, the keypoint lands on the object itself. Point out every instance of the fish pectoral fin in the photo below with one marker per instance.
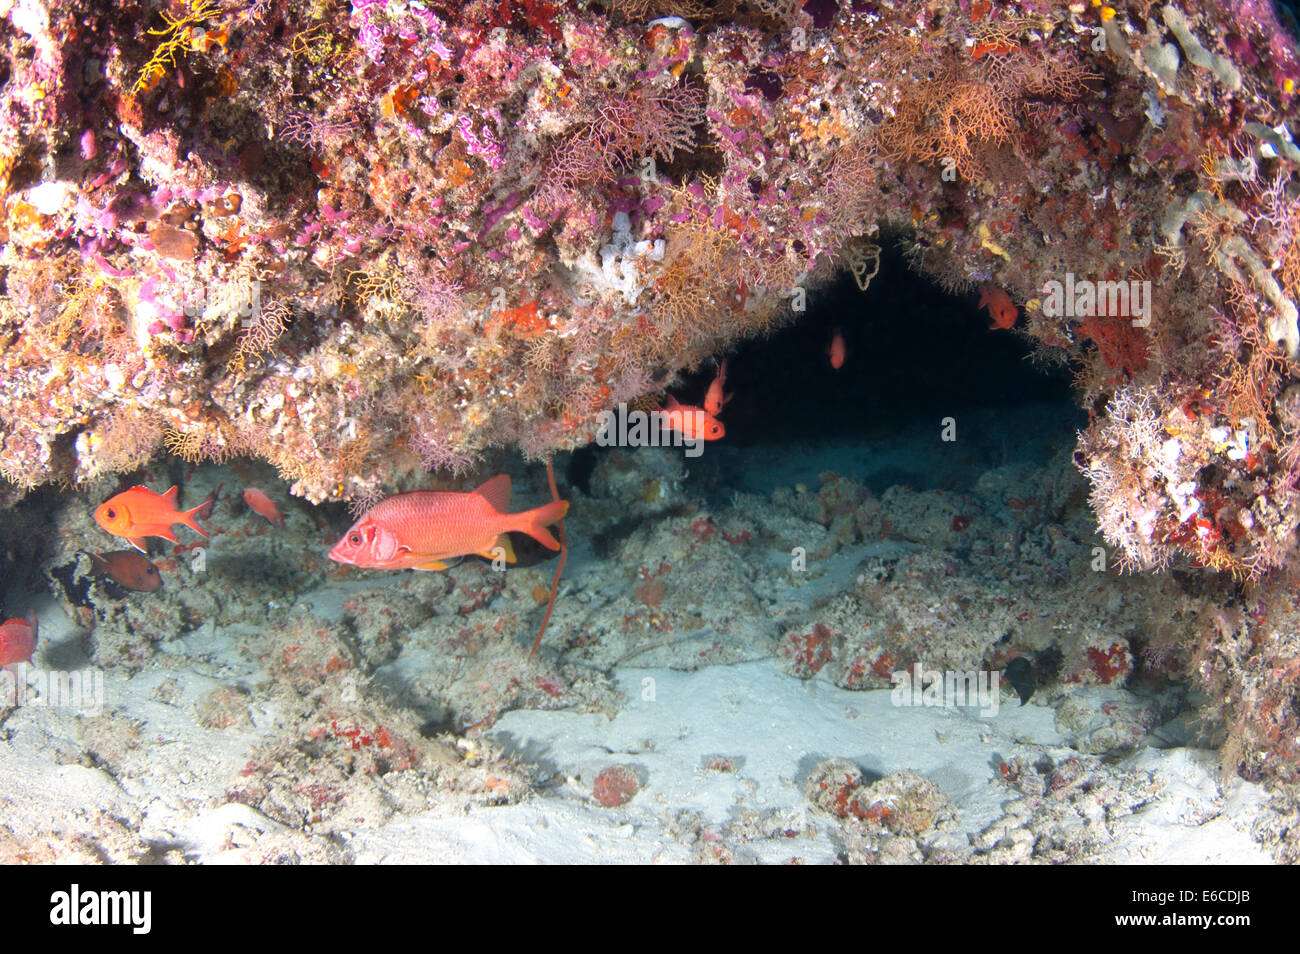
(501, 547)
(138, 543)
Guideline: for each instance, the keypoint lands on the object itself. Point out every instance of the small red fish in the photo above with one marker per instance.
(139, 512)
(129, 567)
(423, 529)
(1001, 308)
(714, 399)
(18, 639)
(263, 506)
(837, 350)
(693, 423)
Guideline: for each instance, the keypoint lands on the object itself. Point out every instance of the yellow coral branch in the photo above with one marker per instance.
(176, 34)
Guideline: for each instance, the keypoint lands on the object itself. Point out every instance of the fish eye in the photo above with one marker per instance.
(111, 514)
(355, 539)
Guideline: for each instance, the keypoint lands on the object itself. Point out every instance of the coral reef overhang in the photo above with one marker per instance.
(360, 240)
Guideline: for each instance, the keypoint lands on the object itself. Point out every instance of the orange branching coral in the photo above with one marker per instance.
(125, 439)
(260, 333)
(950, 120)
(188, 445)
(968, 106)
(1247, 387)
(691, 283)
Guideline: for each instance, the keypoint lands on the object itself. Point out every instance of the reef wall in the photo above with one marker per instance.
(360, 240)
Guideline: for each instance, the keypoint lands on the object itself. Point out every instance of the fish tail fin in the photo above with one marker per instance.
(534, 522)
(187, 518)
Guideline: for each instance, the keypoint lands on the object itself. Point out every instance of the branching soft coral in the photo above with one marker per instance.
(646, 121)
(178, 34)
(1173, 478)
(124, 439)
(966, 107)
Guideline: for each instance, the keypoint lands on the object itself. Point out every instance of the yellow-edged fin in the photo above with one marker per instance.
(504, 545)
(431, 565)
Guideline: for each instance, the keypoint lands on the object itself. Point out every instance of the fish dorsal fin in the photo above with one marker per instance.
(170, 497)
(496, 492)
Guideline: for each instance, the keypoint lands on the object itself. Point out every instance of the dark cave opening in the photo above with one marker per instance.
(913, 352)
(915, 356)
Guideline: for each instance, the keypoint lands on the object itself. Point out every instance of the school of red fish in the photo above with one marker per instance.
(417, 530)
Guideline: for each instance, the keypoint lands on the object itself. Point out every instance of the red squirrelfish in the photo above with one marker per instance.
(423, 529)
(836, 350)
(18, 639)
(693, 423)
(139, 512)
(263, 506)
(1001, 308)
(714, 399)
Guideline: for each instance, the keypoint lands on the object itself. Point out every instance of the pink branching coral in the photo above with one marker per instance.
(646, 122)
(315, 131)
(436, 449)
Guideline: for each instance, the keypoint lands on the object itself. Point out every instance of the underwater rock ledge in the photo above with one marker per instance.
(360, 240)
